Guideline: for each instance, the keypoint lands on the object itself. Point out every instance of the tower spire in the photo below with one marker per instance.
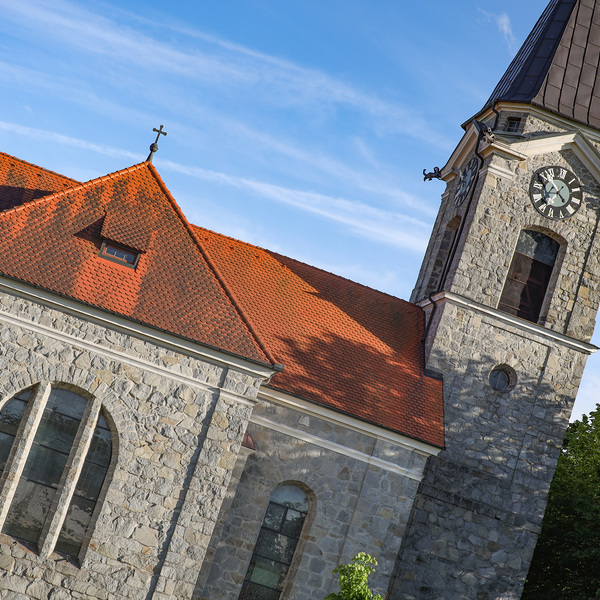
(557, 66)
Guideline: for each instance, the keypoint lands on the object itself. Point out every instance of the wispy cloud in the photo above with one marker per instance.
(503, 22)
(504, 25)
(57, 138)
(214, 61)
(383, 226)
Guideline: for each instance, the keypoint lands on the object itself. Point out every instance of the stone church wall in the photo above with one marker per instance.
(480, 506)
(482, 500)
(361, 489)
(177, 422)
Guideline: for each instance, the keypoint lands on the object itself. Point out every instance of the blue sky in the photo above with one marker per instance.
(302, 126)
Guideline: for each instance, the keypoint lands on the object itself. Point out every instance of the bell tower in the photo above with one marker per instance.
(509, 287)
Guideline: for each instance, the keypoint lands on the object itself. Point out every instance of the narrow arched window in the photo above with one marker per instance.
(276, 544)
(529, 275)
(62, 473)
(442, 257)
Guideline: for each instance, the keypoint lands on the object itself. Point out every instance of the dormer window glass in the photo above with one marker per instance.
(513, 124)
(119, 254)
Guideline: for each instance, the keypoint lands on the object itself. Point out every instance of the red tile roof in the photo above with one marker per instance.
(22, 182)
(54, 242)
(344, 346)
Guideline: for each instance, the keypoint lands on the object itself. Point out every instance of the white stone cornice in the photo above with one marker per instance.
(576, 141)
(339, 448)
(497, 171)
(526, 326)
(467, 146)
(332, 416)
(577, 137)
(503, 148)
(121, 324)
(464, 149)
(551, 118)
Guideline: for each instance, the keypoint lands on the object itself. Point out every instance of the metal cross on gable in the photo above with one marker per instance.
(154, 146)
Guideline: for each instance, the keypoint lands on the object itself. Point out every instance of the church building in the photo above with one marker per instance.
(187, 416)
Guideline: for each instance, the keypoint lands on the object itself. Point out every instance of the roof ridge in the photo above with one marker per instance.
(218, 275)
(362, 285)
(75, 188)
(26, 162)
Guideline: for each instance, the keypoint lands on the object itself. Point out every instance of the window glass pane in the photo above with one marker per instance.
(292, 525)
(538, 246)
(87, 490)
(102, 422)
(128, 257)
(275, 546)
(28, 511)
(274, 517)
(292, 496)
(499, 380)
(66, 403)
(10, 419)
(6, 442)
(11, 414)
(253, 591)
(267, 572)
(44, 465)
(75, 525)
(100, 447)
(90, 481)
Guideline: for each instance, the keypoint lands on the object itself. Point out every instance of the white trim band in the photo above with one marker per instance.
(124, 325)
(516, 322)
(334, 447)
(332, 416)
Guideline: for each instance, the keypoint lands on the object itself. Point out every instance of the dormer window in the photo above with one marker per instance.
(513, 124)
(119, 254)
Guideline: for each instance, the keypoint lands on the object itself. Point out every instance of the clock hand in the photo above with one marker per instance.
(565, 200)
(548, 199)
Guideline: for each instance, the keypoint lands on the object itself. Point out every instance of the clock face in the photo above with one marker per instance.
(467, 178)
(555, 192)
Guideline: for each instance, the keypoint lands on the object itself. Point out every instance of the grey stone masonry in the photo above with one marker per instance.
(479, 508)
(361, 486)
(177, 415)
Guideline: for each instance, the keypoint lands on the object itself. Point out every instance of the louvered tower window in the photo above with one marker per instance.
(529, 275)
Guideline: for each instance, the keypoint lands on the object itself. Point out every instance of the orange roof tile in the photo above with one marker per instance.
(345, 346)
(22, 182)
(54, 242)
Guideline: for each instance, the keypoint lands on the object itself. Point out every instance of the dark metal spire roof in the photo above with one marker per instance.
(558, 66)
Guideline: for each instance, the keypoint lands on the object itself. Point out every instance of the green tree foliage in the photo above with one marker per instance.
(354, 579)
(566, 562)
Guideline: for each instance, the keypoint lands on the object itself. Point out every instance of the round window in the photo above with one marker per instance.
(503, 378)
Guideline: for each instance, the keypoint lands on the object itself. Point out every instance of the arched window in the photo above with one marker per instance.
(443, 255)
(62, 473)
(529, 275)
(276, 544)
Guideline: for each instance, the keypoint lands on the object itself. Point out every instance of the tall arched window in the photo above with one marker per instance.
(443, 255)
(529, 275)
(63, 472)
(276, 544)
